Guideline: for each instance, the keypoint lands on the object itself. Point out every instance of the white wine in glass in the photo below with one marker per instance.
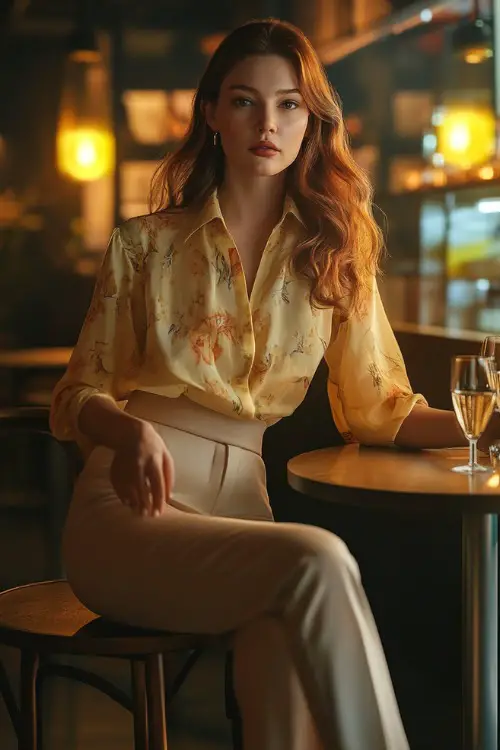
(473, 395)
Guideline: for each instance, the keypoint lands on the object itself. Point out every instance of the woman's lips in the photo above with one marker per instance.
(264, 151)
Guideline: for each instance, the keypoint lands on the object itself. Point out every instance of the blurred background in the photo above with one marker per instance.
(93, 93)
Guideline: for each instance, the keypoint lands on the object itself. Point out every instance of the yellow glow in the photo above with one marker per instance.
(494, 481)
(85, 141)
(486, 173)
(85, 153)
(438, 178)
(466, 136)
(413, 180)
(476, 55)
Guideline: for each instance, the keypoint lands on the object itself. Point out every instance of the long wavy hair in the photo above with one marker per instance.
(341, 252)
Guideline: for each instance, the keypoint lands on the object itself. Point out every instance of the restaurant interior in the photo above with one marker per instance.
(420, 88)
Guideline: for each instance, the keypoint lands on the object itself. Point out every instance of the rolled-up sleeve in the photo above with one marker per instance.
(368, 387)
(107, 357)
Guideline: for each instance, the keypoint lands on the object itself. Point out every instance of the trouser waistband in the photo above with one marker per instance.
(184, 414)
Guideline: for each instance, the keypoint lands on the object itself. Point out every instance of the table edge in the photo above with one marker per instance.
(449, 502)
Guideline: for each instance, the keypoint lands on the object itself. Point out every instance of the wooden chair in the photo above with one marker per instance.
(46, 619)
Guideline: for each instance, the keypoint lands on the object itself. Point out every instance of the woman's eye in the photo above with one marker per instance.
(242, 102)
(289, 104)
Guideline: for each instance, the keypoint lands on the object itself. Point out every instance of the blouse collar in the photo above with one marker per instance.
(211, 211)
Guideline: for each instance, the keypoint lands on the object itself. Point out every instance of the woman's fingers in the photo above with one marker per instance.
(143, 491)
(145, 484)
(169, 474)
(157, 487)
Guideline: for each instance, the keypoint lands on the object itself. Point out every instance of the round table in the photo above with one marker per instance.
(402, 480)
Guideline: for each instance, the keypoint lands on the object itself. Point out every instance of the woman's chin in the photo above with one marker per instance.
(262, 167)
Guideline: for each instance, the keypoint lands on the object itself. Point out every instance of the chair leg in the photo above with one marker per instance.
(28, 701)
(155, 691)
(140, 707)
(9, 699)
(39, 706)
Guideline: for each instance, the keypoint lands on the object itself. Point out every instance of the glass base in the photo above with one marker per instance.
(474, 469)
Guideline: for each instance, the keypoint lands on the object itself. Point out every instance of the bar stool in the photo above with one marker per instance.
(46, 619)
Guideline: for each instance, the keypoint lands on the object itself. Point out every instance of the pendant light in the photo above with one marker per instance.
(473, 38)
(85, 142)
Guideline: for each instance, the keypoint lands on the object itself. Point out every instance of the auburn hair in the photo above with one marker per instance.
(341, 252)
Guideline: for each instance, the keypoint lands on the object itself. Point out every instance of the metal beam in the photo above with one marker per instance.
(396, 23)
(57, 28)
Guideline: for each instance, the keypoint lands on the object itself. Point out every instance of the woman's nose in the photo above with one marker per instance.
(267, 120)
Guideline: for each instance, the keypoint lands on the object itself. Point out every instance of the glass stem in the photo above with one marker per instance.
(473, 452)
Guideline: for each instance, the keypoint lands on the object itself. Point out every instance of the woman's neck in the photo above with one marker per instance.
(257, 200)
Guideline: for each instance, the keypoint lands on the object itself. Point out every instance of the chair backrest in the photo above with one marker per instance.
(35, 420)
(47, 464)
(311, 426)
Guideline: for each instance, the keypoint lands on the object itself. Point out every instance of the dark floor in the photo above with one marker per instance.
(77, 718)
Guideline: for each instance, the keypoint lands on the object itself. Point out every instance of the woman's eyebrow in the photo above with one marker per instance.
(279, 92)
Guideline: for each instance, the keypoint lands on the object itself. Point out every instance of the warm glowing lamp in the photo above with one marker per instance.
(85, 142)
(85, 153)
(465, 135)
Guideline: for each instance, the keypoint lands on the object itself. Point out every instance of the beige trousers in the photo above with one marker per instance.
(309, 666)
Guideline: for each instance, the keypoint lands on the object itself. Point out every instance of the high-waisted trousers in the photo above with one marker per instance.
(309, 668)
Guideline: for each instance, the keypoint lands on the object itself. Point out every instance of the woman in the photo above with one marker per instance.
(209, 318)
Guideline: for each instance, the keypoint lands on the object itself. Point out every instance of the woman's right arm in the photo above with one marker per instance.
(142, 471)
(103, 370)
(108, 355)
(103, 423)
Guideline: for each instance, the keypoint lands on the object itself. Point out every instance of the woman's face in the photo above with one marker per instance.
(260, 115)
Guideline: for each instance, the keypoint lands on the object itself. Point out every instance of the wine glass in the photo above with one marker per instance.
(473, 395)
(491, 348)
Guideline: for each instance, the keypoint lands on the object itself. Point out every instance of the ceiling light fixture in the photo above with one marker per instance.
(473, 39)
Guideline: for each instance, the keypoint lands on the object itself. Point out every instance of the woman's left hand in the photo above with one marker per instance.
(491, 433)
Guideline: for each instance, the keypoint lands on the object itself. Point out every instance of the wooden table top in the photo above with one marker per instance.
(395, 478)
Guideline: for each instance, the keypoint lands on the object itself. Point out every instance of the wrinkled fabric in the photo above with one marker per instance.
(171, 314)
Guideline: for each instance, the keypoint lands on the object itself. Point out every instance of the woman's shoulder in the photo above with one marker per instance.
(159, 227)
(142, 239)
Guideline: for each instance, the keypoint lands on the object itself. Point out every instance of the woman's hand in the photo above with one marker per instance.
(142, 471)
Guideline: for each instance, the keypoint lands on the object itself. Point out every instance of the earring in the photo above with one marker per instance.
(215, 138)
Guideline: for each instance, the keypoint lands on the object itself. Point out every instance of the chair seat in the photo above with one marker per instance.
(47, 617)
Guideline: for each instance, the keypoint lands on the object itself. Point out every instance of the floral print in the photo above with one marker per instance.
(206, 340)
(171, 314)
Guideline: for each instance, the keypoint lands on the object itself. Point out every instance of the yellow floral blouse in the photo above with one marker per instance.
(171, 314)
